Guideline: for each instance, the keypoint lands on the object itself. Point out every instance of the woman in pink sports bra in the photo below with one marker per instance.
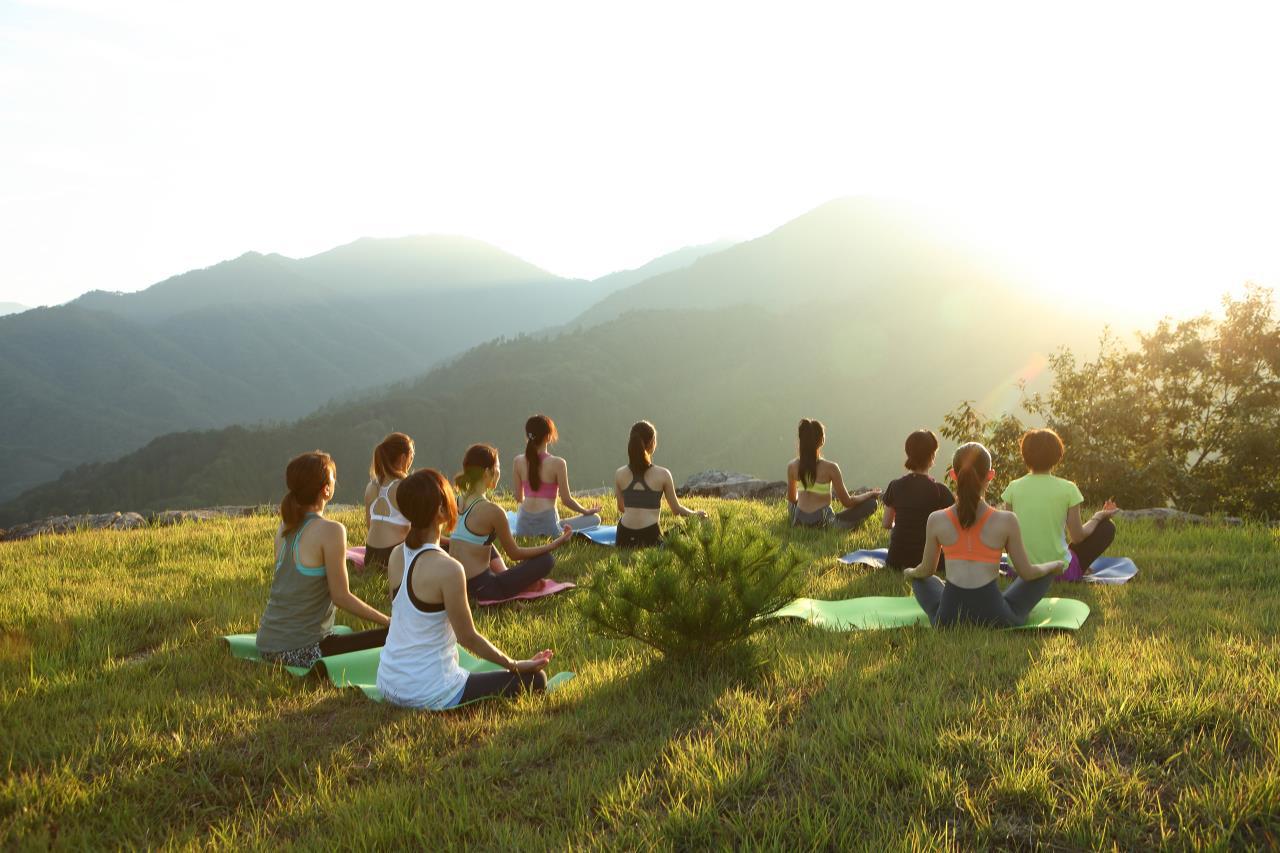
(973, 536)
(539, 479)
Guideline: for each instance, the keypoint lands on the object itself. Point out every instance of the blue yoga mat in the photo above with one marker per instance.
(874, 557)
(601, 535)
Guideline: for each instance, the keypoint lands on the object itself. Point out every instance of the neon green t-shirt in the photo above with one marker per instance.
(1041, 501)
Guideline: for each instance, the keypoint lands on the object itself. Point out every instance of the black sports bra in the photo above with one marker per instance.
(643, 497)
(413, 599)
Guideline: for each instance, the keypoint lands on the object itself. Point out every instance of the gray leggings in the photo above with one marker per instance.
(847, 519)
(948, 604)
(548, 522)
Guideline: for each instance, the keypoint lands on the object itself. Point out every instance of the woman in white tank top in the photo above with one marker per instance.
(431, 616)
(387, 526)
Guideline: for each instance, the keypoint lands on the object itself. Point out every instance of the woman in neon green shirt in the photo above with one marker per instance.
(1048, 510)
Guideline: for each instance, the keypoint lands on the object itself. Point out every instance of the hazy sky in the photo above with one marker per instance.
(1126, 153)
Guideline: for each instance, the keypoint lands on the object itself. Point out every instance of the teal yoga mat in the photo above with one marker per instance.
(360, 669)
(875, 613)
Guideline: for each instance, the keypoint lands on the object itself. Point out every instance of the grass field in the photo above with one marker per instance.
(127, 723)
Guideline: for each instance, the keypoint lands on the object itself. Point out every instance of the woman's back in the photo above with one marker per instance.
(299, 608)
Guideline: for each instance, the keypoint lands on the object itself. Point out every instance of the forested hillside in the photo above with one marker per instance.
(259, 338)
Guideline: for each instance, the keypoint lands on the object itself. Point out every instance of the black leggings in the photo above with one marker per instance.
(1096, 544)
(494, 586)
(376, 558)
(948, 604)
(644, 537)
(502, 683)
(340, 644)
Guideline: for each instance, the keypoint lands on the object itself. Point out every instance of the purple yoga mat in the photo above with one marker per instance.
(542, 588)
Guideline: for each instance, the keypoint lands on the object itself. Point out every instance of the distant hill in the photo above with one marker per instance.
(676, 260)
(261, 337)
(875, 335)
(11, 308)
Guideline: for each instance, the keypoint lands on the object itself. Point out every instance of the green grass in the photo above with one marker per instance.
(127, 723)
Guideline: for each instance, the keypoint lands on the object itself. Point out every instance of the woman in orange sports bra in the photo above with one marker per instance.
(973, 536)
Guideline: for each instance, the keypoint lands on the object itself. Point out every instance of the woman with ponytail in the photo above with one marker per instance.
(640, 499)
(539, 479)
(387, 526)
(311, 574)
(812, 481)
(419, 664)
(973, 536)
(481, 522)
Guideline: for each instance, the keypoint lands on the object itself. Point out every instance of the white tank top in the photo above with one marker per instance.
(393, 514)
(419, 663)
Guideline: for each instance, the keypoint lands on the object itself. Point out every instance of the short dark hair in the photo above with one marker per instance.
(921, 445)
(1042, 449)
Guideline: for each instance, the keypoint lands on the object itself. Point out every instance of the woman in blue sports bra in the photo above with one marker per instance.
(311, 574)
(387, 526)
(481, 522)
(640, 487)
(812, 481)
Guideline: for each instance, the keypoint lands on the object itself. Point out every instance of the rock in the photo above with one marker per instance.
(723, 484)
(1169, 515)
(69, 523)
(178, 516)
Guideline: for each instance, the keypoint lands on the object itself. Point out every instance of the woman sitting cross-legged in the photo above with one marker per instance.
(481, 522)
(640, 487)
(973, 535)
(419, 664)
(311, 574)
(812, 481)
(911, 499)
(1048, 508)
(387, 526)
(539, 479)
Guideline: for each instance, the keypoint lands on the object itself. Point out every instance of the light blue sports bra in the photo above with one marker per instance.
(462, 533)
(291, 550)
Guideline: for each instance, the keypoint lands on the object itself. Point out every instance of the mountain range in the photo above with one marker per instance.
(11, 308)
(258, 338)
(856, 313)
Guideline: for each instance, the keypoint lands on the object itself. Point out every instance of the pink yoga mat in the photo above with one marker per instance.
(356, 555)
(542, 588)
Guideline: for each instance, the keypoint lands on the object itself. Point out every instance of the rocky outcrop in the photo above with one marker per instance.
(1168, 515)
(179, 516)
(723, 484)
(69, 523)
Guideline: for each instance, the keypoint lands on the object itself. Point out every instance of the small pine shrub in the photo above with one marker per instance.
(696, 596)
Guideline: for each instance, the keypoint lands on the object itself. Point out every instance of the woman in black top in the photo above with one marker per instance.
(640, 487)
(909, 499)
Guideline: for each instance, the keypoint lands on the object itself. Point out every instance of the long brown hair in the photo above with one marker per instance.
(478, 459)
(644, 437)
(387, 455)
(421, 497)
(306, 477)
(812, 436)
(971, 464)
(537, 429)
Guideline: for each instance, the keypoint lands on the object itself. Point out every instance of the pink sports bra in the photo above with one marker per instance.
(548, 489)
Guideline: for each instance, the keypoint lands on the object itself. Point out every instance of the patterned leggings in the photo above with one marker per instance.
(334, 644)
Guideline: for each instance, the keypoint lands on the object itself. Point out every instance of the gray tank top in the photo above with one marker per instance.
(299, 610)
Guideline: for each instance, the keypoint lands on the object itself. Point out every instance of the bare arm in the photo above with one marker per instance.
(503, 528)
(454, 591)
(334, 546)
(1079, 532)
(370, 495)
(929, 560)
(669, 489)
(517, 480)
(889, 515)
(792, 486)
(1022, 564)
(617, 493)
(842, 494)
(566, 496)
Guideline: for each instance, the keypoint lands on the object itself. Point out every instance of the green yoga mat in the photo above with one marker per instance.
(872, 613)
(360, 669)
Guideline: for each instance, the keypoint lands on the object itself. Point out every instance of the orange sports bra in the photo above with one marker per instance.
(970, 546)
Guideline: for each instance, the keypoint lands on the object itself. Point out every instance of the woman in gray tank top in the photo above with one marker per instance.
(311, 579)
